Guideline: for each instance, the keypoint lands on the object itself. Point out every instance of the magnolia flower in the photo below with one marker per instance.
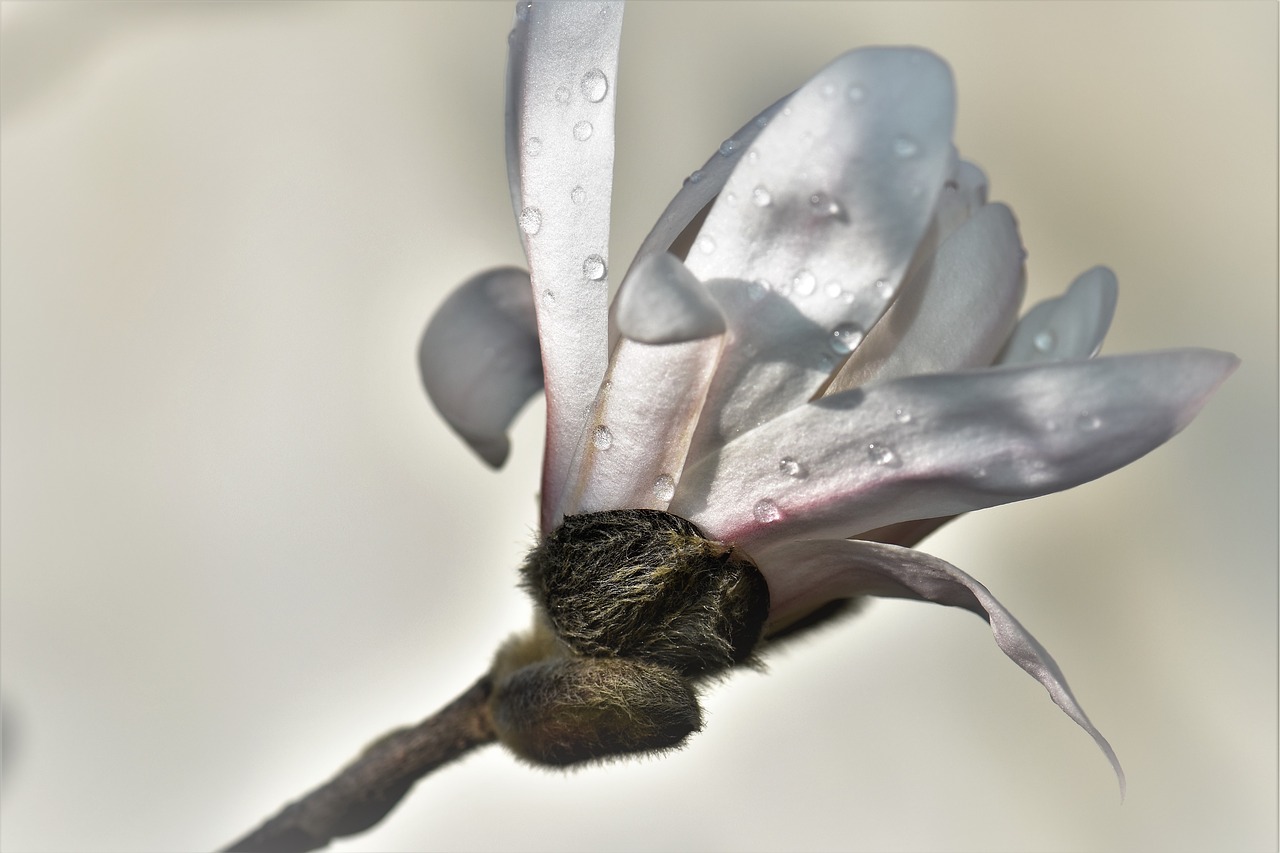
(814, 360)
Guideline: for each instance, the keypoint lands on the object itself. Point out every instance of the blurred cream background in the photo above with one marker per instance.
(238, 543)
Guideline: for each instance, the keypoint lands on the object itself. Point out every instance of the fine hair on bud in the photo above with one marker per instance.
(570, 710)
(646, 584)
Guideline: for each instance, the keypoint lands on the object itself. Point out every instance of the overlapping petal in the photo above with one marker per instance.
(1068, 326)
(479, 358)
(804, 574)
(633, 450)
(943, 444)
(561, 86)
(826, 210)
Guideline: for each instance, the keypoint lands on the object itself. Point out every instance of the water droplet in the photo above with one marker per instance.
(594, 268)
(883, 288)
(786, 111)
(882, 455)
(531, 220)
(761, 197)
(1087, 421)
(533, 146)
(522, 9)
(845, 338)
(829, 90)
(578, 195)
(804, 283)
(762, 121)
(582, 131)
(664, 487)
(548, 298)
(706, 245)
(729, 146)
(905, 146)
(824, 205)
(602, 438)
(792, 468)
(766, 511)
(730, 198)
(753, 155)
(757, 289)
(562, 94)
(902, 416)
(833, 290)
(1044, 341)
(695, 176)
(595, 85)
(856, 93)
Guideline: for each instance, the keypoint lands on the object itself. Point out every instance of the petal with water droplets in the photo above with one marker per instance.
(560, 163)
(633, 450)
(960, 313)
(942, 444)
(803, 575)
(1068, 326)
(479, 358)
(848, 185)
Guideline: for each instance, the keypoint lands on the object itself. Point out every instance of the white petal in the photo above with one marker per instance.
(661, 302)
(826, 209)
(702, 186)
(633, 452)
(1068, 326)
(479, 358)
(804, 574)
(561, 86)
(958, 316)
(938, 445)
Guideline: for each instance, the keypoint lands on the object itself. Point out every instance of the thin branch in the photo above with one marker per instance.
(368, 788)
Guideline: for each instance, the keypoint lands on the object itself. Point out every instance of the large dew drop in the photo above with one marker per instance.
(766, 511)
(594, 268)
(664, 487)
(582, 131)
(1044, 341)
(761, 197)
(804, 283)
(882, 455)
(595, 85)
(845, 338)
(791, 467)
(531, 220)
(602, 437)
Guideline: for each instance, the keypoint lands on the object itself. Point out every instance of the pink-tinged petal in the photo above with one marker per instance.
(479, 359)
(1066, 327)
(958, 315)
(826, 209)
(704, 184)
(943, 444)
(802, 575)
(633, 451)
(561, 86)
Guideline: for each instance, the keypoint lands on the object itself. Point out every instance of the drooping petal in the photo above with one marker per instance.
(942, 444)
(1068, 326)
(826, 209)
(802, 575)
(633, 450)
(958, 316)
(479, 358)
(561, 85)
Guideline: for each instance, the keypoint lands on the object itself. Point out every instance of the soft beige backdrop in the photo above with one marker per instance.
(238, 543)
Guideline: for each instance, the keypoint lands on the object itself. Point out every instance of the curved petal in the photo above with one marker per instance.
(938, 445)
(633, 450)
(561, 83)
(826, 209)
(479, 359)
(961, 313)
(1068, 326)
(804, 574)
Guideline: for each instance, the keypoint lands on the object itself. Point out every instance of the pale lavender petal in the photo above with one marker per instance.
(633, 451)
(479, 358)
(802, 575)
(943, 444)
(661, 302)
(561, 86)
(958, 316)
(1068, 326)
(826, 210)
